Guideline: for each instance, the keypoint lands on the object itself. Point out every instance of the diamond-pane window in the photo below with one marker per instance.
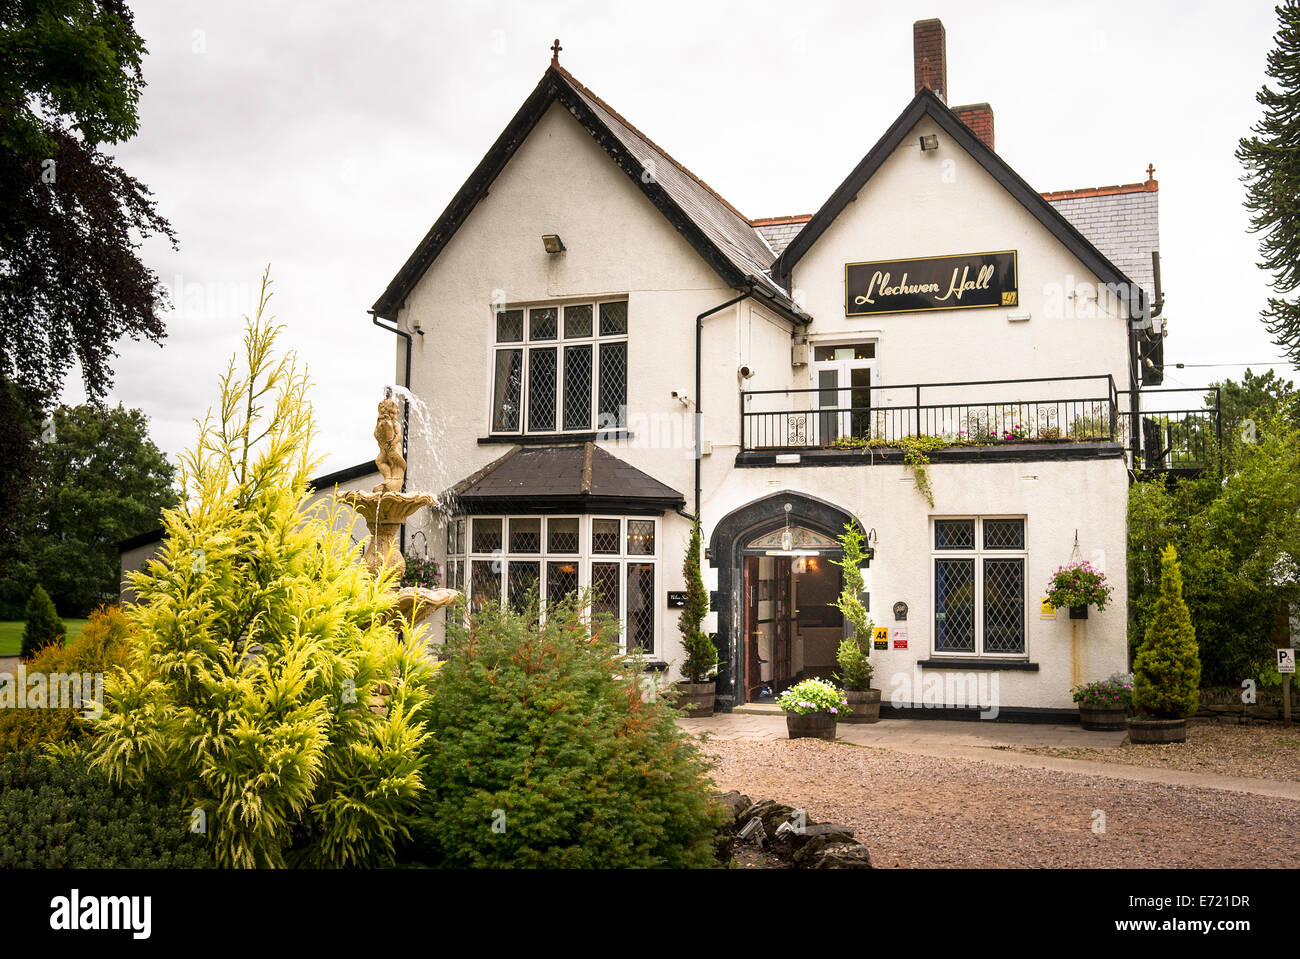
(605, 585)
(561, 580)
(577, 321)
(522, 582)
(526, 535)
(485, 585)
(1004, 605)
(510, 326)
(612, 410)
(543, 324)
(613, 318)
(506, 390)
(954, 534)
(605, 536)
(541, 389)
(640, 537)
(640, 621)
(577, 387)
(487, 535)
(954, 605)
(1004, 534)
(562, 535)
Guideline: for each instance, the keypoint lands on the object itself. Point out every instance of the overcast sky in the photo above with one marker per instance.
(325, 138)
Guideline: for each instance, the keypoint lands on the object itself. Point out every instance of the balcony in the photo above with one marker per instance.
(1081, 417)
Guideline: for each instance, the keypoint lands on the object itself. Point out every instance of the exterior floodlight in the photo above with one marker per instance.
(552, 243)
(929, 142)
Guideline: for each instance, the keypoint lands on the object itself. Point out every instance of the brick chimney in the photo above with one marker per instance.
(930, 57)
(979, 117)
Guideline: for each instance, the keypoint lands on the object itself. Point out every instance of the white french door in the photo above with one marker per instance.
(842, 375)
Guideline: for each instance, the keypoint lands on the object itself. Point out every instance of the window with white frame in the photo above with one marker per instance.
(510, 559)
(560, 368)
(979, 586)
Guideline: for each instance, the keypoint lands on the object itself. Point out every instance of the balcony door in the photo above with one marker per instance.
(842, 374)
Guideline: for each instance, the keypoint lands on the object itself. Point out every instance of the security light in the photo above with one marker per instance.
(929, 142)
(552, 243)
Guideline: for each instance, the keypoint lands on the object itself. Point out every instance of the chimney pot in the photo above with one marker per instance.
(930, 57)
(979, 118)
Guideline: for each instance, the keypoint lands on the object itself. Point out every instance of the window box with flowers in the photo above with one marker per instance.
(1078, 586)
(812, 707)
(1105, 704)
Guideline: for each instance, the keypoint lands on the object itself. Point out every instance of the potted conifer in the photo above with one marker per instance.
(855, 668)
(699, 686)
(1167, 670)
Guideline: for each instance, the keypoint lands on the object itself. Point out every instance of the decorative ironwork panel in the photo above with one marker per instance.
(577, 321)
(605, 536)
(613, 318)
(613, 385)
(1004, 606)
(510, 326)
(562, 535)
(640, 620)
(954, 534)
(526, 535)
(796, 429)
(577, 387)
(954, 605)
(543, 323)
(640, 537)
(522, 582)
(1004, 534)
(507, 390)
(542, 384)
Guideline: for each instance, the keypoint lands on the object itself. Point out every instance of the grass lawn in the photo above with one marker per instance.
(11, 634)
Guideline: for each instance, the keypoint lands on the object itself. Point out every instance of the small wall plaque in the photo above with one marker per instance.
(677, 599)
(880, 639)
(900, 611)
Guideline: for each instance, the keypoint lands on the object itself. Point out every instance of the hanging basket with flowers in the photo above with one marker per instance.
(1078, 586)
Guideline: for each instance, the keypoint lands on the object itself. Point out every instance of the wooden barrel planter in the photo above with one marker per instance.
(810, 725)
(864, 706)
(1102, 718)
(1157, 731)
(697, 699)
(1079, 612)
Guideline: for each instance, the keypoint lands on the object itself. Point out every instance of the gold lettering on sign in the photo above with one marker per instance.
(879, 285)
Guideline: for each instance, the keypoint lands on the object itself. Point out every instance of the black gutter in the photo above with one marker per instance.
(406, 407)
(699, 413)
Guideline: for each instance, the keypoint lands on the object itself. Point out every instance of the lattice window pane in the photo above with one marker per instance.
(606, 582)
(1004, 534)
(542, 383)
(640, 537)
(1004, 606)
(577, 321)
(522, 581)
(544, 323)
(487, 535)
(954, 605)
(577, 387)
(507, 390)
(954, 534)
(453, 573)
(613, 385)
(460, 537)
(451, 537)
(526, 535)
(561, 580)
(485, 585)
(510, 326)
(640, 621)
(562, 535)
(605, 535)
(613, 318)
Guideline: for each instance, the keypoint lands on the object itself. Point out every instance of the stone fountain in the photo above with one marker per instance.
(386, 508)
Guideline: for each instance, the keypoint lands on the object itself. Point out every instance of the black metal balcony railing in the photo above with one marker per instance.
(1078, 409)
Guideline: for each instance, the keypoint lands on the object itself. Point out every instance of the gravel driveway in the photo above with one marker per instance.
(917, 811)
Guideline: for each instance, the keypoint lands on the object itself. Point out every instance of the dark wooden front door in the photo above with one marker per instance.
(781, 672)
(753, 668)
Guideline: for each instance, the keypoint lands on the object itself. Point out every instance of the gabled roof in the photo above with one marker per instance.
(572, 478)
(715, 229)
(925, 103)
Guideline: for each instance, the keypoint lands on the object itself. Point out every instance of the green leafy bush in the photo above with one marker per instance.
(855, 666)
(43, 624)
(544, 752)
(58, 813)
(103, 645)
(701, 662)
(1167, 671)
(813, 696)
(269, 687)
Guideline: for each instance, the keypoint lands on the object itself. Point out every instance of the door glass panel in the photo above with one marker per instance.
(860, 400)
(828, 399)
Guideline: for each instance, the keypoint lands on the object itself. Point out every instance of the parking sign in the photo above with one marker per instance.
(1286, 660)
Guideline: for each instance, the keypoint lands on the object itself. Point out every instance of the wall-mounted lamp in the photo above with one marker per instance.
(929, 142)
(872, 539)
(552, 243)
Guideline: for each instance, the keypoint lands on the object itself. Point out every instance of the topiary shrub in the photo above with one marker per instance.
(1167, 670)
(701, 663)
(43, 624)
(104, 644)
(58, 813)
(543, 752)
(852, 656)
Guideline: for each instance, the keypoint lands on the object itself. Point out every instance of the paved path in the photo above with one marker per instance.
(990, 742)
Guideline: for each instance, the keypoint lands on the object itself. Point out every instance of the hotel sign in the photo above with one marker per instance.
(962, 282)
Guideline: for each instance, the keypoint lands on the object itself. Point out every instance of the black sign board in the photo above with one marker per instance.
(677, 599)
(963, 282)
